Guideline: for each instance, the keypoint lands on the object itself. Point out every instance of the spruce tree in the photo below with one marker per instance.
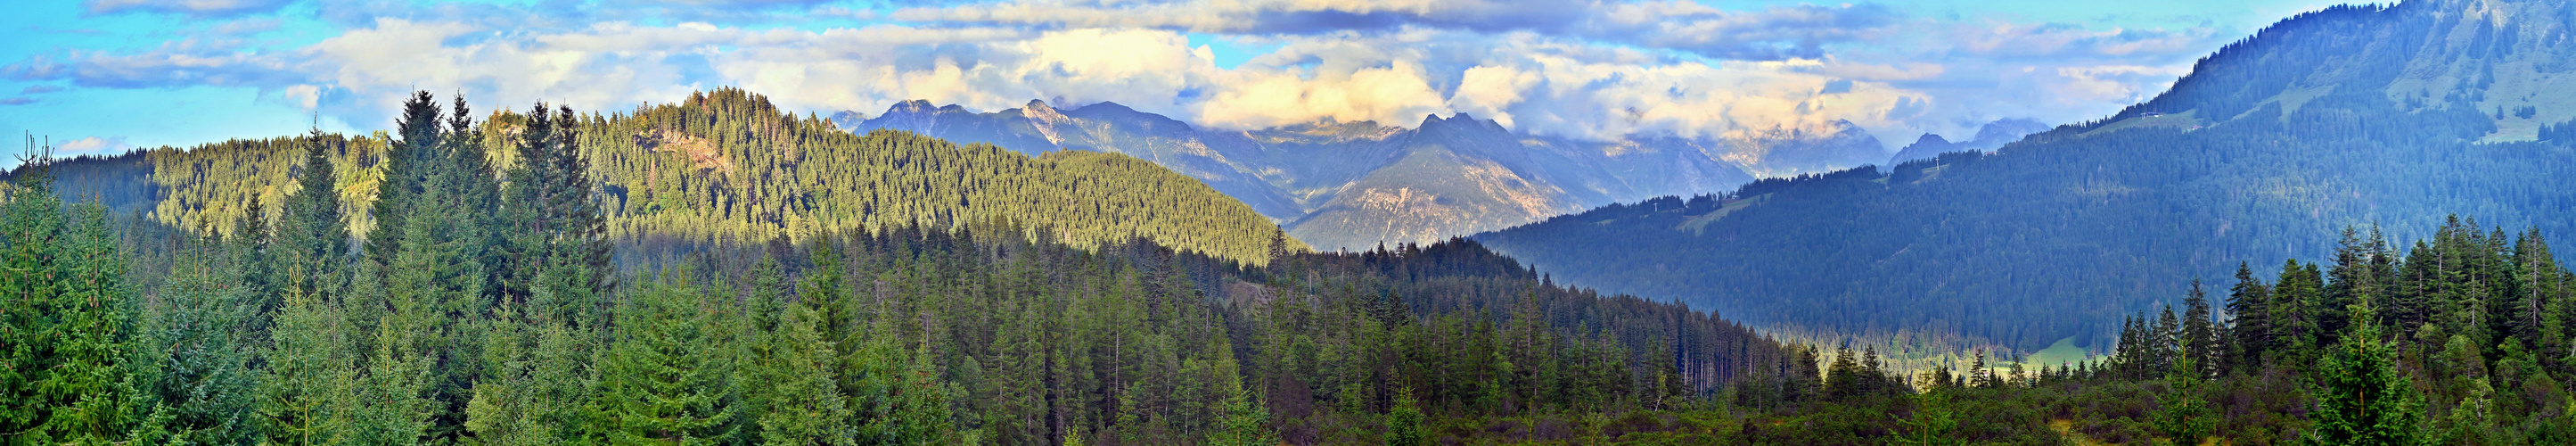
(197, 384)
(319, 237)
(503, 408)
(1246, 423)
(1935, 422)
(2249, 307)
(406, 164)
(2183, 417)
(2361, 398)
(2199, 342)
(64, 321)
(1404, 422)
(660, 382)
(803, 404)
(302, 388)
(2293, 312)
(1842, 378)
(388, 402)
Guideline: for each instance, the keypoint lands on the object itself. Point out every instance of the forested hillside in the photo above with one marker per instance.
(2459, 339)
(515, 327)
(2266, 150)
(726, 165)
(487, 305)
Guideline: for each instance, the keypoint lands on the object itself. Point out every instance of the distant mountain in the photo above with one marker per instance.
(1359, 184)
(1780, 152)
(1989, 137)
(2351, 116)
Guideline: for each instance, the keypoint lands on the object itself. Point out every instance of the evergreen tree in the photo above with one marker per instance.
(659, 382)
(197, 383)
(2183, 417)
(1247, 422)
(389, 402)
(2200, 333)
(2361, 398)
(1843, 379)
(2163, 348)
(504, 406)
(302, 389)
(2293, 310)
(254, 267)
(65, 317)
(1935, 422)
(1404, 422)
(1875, 376)
(407, 163)
(2249, 307)
(1979, 376)
(804, 406)
(318, 238)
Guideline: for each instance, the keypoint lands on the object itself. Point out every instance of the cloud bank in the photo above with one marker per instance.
(1588, 69)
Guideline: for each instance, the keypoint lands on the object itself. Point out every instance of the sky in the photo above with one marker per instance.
(105, 76)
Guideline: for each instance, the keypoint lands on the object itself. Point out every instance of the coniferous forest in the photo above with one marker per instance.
(2332, 231)
(292, 324)
(317, 318)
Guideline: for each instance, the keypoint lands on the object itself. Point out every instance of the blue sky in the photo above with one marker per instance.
(106, 75)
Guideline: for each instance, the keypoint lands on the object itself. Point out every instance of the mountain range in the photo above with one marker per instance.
(2372, 119)
(1989, 137)
(1357, 185)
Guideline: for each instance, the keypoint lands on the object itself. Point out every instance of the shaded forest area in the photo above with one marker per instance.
(2281, 139)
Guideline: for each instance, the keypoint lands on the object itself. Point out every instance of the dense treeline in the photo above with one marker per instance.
(2459, 339)
(723, 165)
(210, 186)
(2011, 247)
(728, 165)
(518, 323)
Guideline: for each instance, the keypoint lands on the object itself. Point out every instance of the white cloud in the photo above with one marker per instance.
(1490, 90)
(1582, 69)
(1396, 94)
(92, 145)
(195, 8)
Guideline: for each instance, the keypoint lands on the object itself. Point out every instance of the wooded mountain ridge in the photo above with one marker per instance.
(2392, 116)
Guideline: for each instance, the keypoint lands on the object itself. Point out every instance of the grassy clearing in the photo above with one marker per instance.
(2184, 120)
(2062, 352)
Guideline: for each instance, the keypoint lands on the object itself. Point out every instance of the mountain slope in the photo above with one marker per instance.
(1356, 185)
(726, 165)
(2270, 146)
